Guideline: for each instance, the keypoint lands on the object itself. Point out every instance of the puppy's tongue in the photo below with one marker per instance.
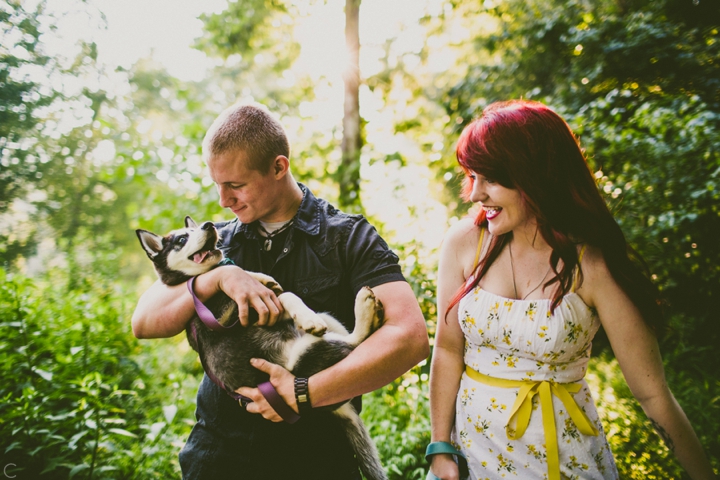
(200, 256)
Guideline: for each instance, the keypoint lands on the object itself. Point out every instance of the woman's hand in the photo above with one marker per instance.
(444, 467)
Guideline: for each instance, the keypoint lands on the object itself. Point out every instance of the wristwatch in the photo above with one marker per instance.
(302, 395)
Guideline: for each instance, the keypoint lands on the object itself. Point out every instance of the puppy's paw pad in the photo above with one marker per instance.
(379, 311)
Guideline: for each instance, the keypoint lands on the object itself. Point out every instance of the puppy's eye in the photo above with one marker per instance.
(181, 241)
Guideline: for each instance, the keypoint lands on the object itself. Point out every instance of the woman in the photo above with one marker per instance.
(522, 290)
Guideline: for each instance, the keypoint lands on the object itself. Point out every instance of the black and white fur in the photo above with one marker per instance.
(304, 342)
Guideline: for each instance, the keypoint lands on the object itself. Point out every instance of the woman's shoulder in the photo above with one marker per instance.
(595, 273)
(592, 261)
(464, 233)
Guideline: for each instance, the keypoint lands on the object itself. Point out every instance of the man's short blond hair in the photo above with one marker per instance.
(250, 128)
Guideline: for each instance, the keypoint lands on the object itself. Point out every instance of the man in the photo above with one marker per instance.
(322, 255)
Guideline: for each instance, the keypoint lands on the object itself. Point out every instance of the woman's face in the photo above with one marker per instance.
(504, 207)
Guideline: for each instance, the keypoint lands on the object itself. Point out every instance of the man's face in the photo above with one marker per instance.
(250, 194)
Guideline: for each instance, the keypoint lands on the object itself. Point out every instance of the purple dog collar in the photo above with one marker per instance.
(204, 313)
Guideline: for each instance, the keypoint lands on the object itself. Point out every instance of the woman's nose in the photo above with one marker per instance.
(478, 193)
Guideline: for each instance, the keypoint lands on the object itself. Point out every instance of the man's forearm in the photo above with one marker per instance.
(382, 358)
(392, 350)
(163, 311)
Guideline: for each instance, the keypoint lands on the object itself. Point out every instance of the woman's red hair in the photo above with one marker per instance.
(526, 146)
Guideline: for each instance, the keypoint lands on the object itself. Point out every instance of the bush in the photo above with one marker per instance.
(398, 417)
(77, 398)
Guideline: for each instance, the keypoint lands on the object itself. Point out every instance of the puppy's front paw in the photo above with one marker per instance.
(268, 281)
(369, 308)
(311, 323)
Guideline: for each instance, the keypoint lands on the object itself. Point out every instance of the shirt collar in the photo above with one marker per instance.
(307, 218)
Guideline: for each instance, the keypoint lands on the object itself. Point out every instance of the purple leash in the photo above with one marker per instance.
(266, 388)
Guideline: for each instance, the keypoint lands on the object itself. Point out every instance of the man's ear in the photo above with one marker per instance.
(280, 166)
(190, 223)
(151, 243)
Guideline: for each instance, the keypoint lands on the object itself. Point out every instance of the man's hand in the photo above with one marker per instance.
(281, 379)
(248, 292)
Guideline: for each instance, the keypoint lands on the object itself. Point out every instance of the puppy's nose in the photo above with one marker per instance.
(207, 226)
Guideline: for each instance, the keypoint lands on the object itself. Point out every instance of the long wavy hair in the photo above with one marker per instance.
(526, 146)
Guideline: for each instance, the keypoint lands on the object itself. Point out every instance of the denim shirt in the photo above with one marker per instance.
(327, 258)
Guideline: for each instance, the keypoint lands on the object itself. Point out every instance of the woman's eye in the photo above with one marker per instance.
(472, 176)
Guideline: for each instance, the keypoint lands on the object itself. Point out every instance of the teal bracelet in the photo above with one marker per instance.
(441, 447)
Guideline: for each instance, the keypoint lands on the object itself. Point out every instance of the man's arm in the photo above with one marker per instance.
(397, 346)
(163, 311)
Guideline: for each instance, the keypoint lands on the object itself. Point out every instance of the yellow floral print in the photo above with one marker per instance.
(522, 341)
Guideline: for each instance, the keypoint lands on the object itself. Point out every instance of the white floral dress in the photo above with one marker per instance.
(522, 340)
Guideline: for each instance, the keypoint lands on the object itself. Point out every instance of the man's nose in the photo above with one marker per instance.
(225, 198)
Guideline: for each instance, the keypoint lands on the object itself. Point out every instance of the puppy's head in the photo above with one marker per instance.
(183, 253)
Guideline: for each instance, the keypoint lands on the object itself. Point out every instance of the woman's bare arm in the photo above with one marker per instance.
(636, 348)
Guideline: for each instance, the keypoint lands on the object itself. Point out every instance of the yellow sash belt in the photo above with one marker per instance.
(522, 409)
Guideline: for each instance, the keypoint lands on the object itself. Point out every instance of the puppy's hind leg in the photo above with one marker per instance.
(304, 318)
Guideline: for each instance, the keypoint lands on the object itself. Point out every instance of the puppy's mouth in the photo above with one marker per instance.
(207, 251)
(202, 255)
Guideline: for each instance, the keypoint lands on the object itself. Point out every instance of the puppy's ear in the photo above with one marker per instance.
(190, 223)
(151, 243)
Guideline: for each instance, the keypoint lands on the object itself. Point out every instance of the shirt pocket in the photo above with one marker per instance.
(321, 293)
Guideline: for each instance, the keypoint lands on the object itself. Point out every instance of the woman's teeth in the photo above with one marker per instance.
(492, 212)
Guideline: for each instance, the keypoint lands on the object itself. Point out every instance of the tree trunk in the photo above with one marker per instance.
(349, 171)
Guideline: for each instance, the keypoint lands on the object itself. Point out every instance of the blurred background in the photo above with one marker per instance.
(103, 107)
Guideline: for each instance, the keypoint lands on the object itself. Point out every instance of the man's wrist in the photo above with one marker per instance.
(302, 395)
(208, 284)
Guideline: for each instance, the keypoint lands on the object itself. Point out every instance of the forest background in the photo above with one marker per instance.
(90, 152)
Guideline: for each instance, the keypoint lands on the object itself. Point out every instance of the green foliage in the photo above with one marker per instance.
(20, 95)
(639, 451)
(76, 401)
(251, 30)
(398, 418)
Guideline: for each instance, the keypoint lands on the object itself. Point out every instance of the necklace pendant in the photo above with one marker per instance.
(268, 244)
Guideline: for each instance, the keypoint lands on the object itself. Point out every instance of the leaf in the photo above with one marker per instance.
(123, 432)
(106, 468)
(155, 429)
(46, 375)
(73, 441)
(13, 446)
(78, 468)
(169, 411)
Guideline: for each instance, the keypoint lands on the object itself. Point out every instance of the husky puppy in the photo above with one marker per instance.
(304, 342)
